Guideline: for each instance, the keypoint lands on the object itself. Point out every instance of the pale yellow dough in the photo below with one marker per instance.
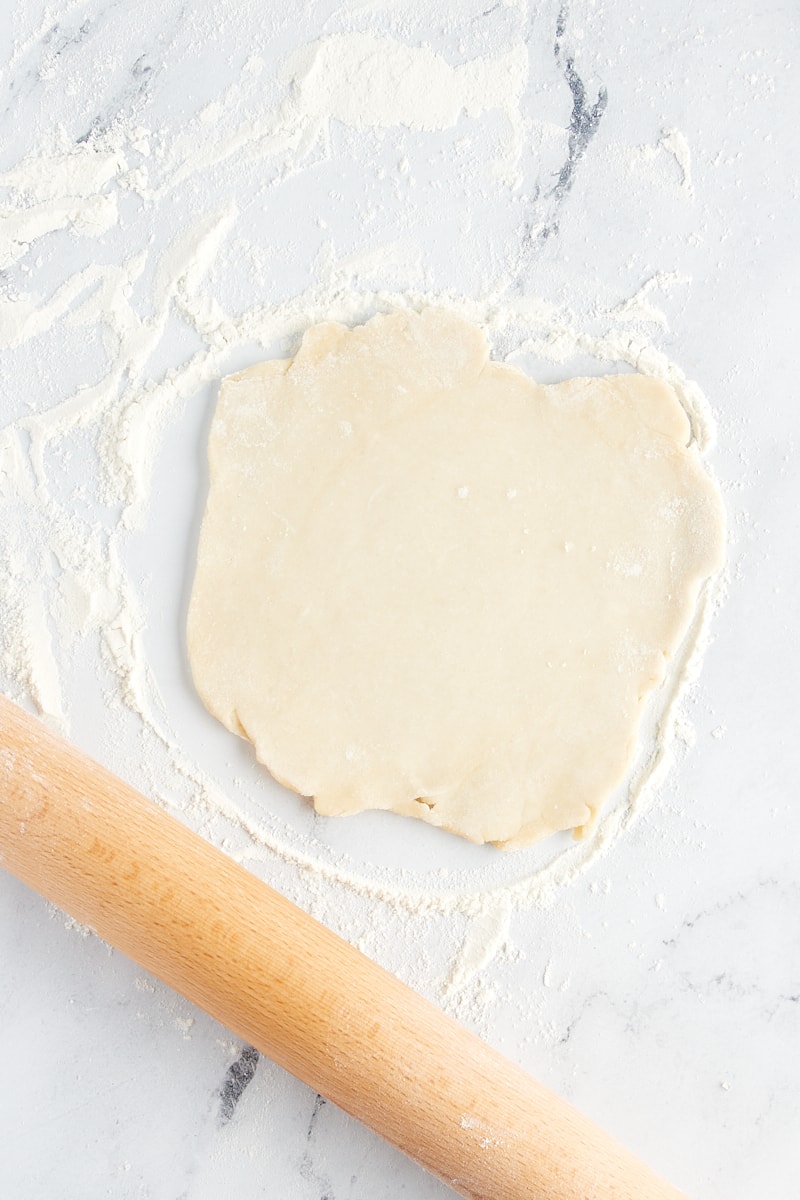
(426, 583)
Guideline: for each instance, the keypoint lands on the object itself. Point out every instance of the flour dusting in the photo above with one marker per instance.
(161, 294)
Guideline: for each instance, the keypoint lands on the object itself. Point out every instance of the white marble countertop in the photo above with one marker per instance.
(658, 988)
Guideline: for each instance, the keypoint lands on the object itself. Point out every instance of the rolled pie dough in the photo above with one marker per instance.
(426, 583)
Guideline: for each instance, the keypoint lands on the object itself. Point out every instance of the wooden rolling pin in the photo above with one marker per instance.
(300, 994)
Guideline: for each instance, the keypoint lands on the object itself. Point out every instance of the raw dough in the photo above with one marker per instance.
(427, 584)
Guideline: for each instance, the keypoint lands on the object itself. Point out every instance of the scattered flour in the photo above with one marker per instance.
(487, 934)
(62, 563)
(369, 82)
(674, 142)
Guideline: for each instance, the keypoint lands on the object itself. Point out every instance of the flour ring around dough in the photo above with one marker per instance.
(426, 583)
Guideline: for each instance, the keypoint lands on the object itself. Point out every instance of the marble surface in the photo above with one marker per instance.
(659, 991)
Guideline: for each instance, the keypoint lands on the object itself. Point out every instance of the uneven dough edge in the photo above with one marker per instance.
(668, 419)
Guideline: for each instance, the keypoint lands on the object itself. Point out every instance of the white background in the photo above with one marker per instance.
(659, 991)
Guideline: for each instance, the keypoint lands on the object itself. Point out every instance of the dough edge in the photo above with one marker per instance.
(317, 343)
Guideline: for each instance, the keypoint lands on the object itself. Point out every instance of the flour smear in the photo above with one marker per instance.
(150, 319)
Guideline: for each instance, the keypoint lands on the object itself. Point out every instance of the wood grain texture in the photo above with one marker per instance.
(304, 997)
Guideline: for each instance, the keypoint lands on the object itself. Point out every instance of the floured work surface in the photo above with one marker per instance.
(427, 584)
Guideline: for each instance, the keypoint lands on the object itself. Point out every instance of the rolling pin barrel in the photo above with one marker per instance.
(278, 979)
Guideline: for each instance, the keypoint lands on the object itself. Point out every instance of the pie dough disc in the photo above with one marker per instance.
(426, 583)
